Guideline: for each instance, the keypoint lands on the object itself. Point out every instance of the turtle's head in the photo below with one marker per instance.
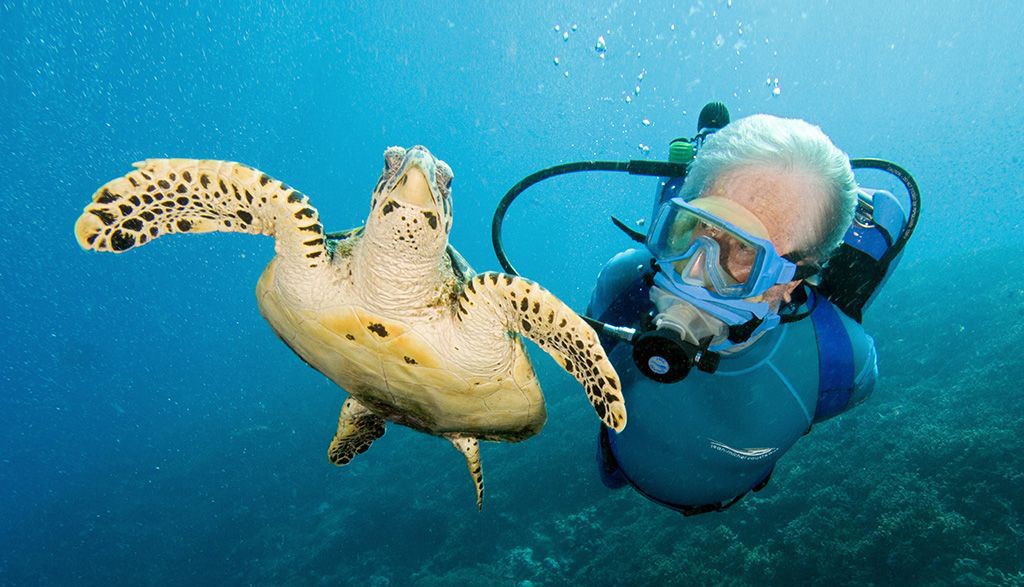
(411, 207)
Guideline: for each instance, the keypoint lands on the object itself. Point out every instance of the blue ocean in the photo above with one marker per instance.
(155, 431)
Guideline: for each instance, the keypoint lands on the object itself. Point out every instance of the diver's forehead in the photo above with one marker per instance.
(788, 202)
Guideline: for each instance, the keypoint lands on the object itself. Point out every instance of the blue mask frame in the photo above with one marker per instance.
(768, 269)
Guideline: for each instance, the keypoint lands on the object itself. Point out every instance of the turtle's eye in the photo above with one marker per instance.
(447, 182)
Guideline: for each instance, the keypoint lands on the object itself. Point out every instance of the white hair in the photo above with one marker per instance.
(788, 143)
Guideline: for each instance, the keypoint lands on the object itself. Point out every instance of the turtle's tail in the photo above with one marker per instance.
(165, 196)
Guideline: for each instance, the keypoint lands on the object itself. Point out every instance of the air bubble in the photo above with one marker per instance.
(646, 122)
(565, 36)
(556, 60)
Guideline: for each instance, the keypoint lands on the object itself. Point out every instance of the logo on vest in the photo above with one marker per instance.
(746, 454)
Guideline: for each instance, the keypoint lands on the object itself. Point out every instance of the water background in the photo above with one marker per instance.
(153, 430)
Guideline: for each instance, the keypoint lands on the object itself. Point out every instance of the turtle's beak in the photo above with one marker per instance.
(414, 183)
(414, 188)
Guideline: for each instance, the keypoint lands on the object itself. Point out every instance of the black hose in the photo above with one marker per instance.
(915, 202)
(633, 167)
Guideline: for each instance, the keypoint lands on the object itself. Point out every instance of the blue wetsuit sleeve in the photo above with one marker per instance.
(866, 374)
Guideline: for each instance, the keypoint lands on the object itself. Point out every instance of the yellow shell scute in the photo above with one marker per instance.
(345, 323)
(412, 349)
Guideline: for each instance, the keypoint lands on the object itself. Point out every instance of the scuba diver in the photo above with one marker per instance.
(761, 257)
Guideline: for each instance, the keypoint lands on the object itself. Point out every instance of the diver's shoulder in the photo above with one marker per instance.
(631, 262)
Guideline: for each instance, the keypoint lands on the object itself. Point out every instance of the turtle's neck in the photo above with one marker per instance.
(397, 278)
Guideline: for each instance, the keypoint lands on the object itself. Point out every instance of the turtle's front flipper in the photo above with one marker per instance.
(165, 196)
(524, 307)
(470, 448)
(358, 427)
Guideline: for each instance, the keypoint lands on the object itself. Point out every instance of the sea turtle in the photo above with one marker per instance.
(389, 311)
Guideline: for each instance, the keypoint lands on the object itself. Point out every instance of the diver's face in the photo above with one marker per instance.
(788, 202)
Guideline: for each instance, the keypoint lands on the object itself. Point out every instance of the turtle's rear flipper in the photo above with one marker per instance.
(525, 307)
(470, 448)
(358, 427)
(166, 196)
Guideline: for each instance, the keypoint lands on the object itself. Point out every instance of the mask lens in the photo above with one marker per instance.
(705, 250)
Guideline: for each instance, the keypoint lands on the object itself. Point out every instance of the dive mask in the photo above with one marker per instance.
(734, 259)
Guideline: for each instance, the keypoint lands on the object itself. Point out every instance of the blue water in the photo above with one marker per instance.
(153, 430)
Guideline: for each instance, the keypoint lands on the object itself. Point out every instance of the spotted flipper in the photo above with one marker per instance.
(358, 427)
(522, 306)
(470, 448)
(166, 196)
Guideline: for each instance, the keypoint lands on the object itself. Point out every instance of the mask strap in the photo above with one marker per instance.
(802, 271)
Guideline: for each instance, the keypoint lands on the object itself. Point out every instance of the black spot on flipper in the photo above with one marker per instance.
(184, 225)
(526, 325)
(103, 215)
(313, 228)
(92, 237)
(378, 329)
(147, 198)
(314, 254)
(153, 231)
(305, 213)
(508, 280)
(106, 197)
(204, 180)
(244, 216)
(132, 224)
(181, 189)
(579, 343)
(264, 179)
(295, 196)
(470, 286)
(314, 242)
(173, 176)
(536, 307)
(164, 184)
(223, 186)
(389, 207)
(409, 360)
(133, 182)
(248, 196)
(523, 305)
(562, 324)
(431, 218)
(125, 209)
(182, 201)
(121, 241)
(350, 337)
(551, 317)
(494, 278)
(186, 176)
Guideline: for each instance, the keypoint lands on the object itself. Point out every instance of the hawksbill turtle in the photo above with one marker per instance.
(389, 311)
